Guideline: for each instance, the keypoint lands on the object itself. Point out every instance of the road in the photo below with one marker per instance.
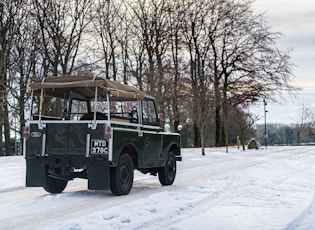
(202, 183)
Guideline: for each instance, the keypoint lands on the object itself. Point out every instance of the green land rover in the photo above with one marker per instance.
(96, 129)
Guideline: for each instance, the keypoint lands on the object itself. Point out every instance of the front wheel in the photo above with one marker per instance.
(168, 172)
(121, 177)
(54, 185)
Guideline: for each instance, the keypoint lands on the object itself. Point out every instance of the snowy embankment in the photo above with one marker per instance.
(263, 189)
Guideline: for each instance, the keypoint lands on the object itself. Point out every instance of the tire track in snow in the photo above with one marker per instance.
(308, 216)
(77, 201)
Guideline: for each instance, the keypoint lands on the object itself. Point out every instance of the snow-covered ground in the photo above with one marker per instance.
(270, 188)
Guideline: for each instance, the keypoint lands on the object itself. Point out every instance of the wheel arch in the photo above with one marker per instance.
(175, 149)
(132, 151)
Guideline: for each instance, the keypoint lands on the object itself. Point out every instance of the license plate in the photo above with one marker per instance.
(99, 147)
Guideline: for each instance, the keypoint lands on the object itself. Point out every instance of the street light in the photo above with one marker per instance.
(265, 112)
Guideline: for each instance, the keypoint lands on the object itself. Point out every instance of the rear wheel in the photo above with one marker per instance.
(121, 177)
(168, 172)
(54, 185)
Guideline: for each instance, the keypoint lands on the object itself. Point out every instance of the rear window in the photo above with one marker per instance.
(52, 107)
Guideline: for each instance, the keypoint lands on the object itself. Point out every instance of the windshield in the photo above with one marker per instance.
(149, 111)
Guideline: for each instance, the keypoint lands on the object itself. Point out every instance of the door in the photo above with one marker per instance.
(152, 149)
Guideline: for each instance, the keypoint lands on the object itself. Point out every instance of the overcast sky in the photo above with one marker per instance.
(296, 21)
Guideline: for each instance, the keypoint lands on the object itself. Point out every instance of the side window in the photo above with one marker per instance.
(149, 111)
(101, 106)
(124, 109)
(78, 108)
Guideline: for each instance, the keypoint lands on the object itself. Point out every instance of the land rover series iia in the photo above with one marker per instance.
(96, 129)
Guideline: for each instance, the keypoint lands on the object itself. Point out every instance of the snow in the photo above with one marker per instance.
(254, 189)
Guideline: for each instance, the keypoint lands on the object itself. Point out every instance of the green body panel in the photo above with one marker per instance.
(61, 138)
(148, 146)
(66, 139)
(152, 156)
(35, 141)
(169, 140)
(151, 147)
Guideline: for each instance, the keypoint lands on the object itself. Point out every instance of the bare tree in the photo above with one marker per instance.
(123, 40)
(242, 122)
(62, 24)
(11, 13)
(172, 82)
(246, 63)
(151, 23)
(304, 119)
(107, 23)
(201, 115)
(132, 45)
(197, 45)
(24, 58)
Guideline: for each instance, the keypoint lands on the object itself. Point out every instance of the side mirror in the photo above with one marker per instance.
(179, 128)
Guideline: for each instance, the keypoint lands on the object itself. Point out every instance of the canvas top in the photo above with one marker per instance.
(85, 85)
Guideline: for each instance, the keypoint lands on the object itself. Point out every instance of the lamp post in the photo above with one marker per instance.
(265, 112)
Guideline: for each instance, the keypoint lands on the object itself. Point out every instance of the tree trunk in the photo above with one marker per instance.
(196, 136)
(1, 132)
(6, 124)
(217, 127)
(298, 138)
(202, 139)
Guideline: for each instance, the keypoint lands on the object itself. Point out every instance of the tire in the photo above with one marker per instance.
(121, 177)
(167, 173)
(54, 185)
